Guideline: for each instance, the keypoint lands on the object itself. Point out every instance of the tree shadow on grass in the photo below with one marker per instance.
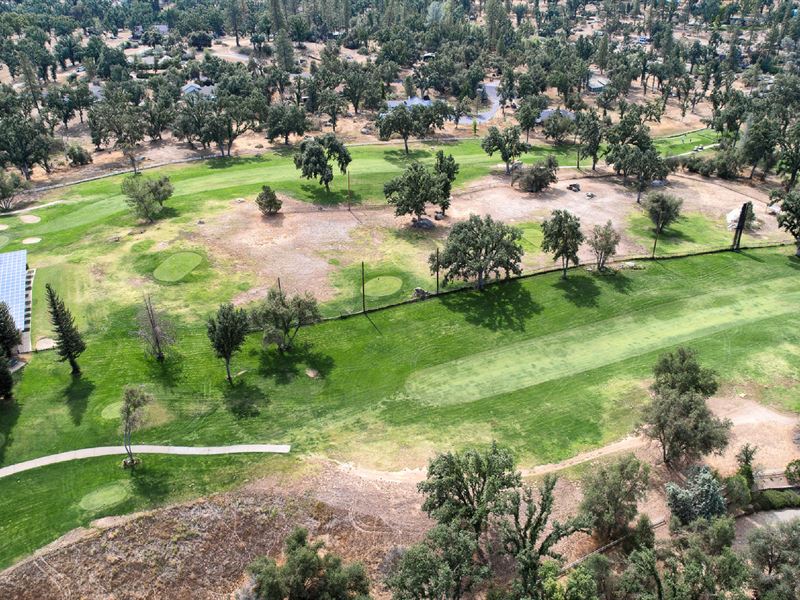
(244, 399)
(504, 305)
(77, 394)
(166, 373)
(581, 291)
(794, 262)
(671, 236)
(285, 366)
(399, 158)
(150, 483)
(219, 162)
(9, 415)
(317, 194)
(617, 279)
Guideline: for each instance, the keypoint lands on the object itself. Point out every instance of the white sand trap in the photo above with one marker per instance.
(3, 226)
(45, 344)
(33, 240)
(29, 218)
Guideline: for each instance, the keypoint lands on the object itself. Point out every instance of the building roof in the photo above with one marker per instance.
(13, 273)
(413, 101)
(549, 112)
(598, 81)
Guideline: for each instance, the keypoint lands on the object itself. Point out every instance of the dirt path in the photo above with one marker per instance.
(144, 449)
(771, 430)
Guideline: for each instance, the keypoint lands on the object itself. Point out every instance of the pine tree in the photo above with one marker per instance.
(69, 340)
(10, 337)
(6, 381)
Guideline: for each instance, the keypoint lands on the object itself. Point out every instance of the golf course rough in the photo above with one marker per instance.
(177, 266)
(384, 285)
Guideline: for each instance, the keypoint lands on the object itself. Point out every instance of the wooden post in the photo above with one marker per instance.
(363, 295)
(349, 191)
(279, 285)
(437, 270)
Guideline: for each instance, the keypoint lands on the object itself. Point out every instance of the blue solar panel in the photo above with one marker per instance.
(13, 270)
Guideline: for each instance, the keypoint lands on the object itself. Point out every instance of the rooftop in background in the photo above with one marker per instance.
(13, 273)
(413, 101)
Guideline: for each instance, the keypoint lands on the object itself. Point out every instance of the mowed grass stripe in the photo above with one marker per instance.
(509, 368)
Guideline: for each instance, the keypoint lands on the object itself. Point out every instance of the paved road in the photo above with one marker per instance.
(119, 450)
(747, 524)
(483, 117)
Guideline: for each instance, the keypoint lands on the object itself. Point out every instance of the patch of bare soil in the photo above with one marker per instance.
(291, 245)
(202, 549)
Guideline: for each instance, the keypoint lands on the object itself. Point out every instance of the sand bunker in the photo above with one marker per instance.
(32, 240)
(29, 219)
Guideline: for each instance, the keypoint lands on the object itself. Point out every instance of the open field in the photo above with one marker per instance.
(383, 393)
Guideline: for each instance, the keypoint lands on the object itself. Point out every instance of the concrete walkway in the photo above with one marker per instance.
(119, 450)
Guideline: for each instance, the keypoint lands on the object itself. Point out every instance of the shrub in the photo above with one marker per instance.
(737, 492)
(776, 500)
(268, 202)
(793, 472)
(78, 156)
(700, 499)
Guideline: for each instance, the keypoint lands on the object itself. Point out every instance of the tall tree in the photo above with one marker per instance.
(590, 130)
(314, 156)
(530, 538)
(227, 331)
(69, 343)
(280, 317)
(789, 217)
(478, 248)
(610, 495)
(10, 185)
(508, 144)
(10, 337)
(412, 191)
(446, 167)
(663, 210)
(6, 381)
(134, 399)
(603, 242)
(464, 488)
(563, 237)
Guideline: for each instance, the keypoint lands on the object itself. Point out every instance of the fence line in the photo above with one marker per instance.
(548, 270)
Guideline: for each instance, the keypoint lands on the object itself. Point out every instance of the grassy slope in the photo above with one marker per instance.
(567, 361)
(40, 505)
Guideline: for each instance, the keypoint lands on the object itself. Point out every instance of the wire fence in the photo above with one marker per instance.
(369, 288)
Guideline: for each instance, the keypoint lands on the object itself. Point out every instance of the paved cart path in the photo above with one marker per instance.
(144, 449)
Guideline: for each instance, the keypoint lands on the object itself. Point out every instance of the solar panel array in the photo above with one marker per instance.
(13, 270)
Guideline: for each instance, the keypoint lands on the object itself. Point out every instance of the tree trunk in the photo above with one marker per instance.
(797, 254)
(228, 370)
(405, 143)
(564, 265)
(76, 370)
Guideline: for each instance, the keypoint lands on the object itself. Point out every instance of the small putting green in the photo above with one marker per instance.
(111, 412)
(384, 285)
(106, 496)
(177, 266)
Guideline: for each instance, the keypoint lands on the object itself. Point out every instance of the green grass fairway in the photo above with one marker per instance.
(596, 345)
(177, 266)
